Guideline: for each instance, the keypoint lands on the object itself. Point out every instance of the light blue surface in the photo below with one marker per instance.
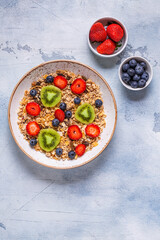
(117, 196)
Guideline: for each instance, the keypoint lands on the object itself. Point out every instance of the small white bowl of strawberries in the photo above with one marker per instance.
(107, 37)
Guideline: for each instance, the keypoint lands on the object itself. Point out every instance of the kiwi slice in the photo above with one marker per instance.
(50, 96)
(85, 113)
(48, 139)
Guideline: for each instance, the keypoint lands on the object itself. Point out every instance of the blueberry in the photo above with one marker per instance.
(131, 72)
(143, 64)
(49, 79)
(68, 114)
(145, 76)
(98, 103)
(71, 154)
(133, 63)
(125, 67)
(134, 84)
(63, 106)
(55, 122)
(33, 92)
(141, 83)
(139, 69)
(33, 142)
(59, 151)
(77, 100)
(125, 77)
(136, 77)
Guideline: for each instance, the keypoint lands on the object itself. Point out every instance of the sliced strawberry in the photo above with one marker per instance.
(107, 47)
(33, 108)
(80, 149)
(115, 32)
(59, 114)
(60, 82)
(92, 130)
(78, 86)
(32, 128)
(97, 33)
(74, 132)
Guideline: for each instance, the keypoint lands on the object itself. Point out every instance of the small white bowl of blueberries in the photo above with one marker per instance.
(135, 73)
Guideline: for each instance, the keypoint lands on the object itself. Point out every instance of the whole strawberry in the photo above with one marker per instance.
(97, 33)
(107, 47)
(115, 32)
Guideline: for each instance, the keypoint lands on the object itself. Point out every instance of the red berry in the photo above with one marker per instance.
(60, 82)
(59, 114)
(80, 149)
(92, 130)
(32, 128)
(78, 86)
(115, 32)
(107, 47)
(97, 33)
(74, 132)
(33, 108)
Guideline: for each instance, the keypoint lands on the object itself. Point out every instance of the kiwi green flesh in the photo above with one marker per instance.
(85, 113)
(50, 96)
(48, 139)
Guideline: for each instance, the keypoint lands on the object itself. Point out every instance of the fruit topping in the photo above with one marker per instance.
(85, 113)
(32, 128)
(48, 139)
(139, 69)
(68, 114)
(74, 132)
(97, 33)
(80, 149)
(55, 122)
(115, 32)
(59, 151)
(125, 77)
(33, 108)
(59, 114)
(63, 106)
(136, 77)
(33, 142)
(71, 154)
(107, 47)
(60, 82)
(77, 100)
(33, 92)
(92, 130)
(134, 84)
(143, 64)
(78, 86)
(98, 103)
(133, 63)
(125, 67)
(145, 76)
(49, 79)
(50, 96)
(131, 72)
(141, 83)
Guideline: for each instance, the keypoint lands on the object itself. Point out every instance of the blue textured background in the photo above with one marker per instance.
(117, 196)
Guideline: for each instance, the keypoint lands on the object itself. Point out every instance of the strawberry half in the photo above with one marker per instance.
(32, 128)
(33, 108)
(107, 47)
(60, 82)
(115, 32)
(97, 33)
(59, 114)
(78, 86)
(74, 132)
(80, 149)
(92, 130)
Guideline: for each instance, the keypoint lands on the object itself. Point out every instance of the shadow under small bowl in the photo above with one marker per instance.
(123, 42)
(148, 70)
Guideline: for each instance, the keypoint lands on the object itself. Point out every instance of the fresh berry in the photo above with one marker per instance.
(63, 106)
(98, 103)
(125, 67)
(71, 154)
(74, 132)
(92, 130)
(125, 77)
(32, 128)
(97, 33)
(49, 79)
(33, 108)
(141, 83)
(131, 72)
(60, 82)
(68, 114)
(143, 64)
(59, 151)
(107, 47)
(33, 142)
(59, 114)
(115, 32)
(136, 77)
(78, 86)
(55, 122)
(134, 84)
(80, 149)
(133, 63)
(33, 92)
(77, 100)
(145, 76)
(139, 69)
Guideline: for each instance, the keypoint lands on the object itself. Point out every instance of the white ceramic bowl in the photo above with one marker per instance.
(148, 69)
(78, 68)
(105, 21)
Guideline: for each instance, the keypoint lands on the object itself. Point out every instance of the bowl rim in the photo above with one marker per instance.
(41, 65)
(114, 54)
(137, 58)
